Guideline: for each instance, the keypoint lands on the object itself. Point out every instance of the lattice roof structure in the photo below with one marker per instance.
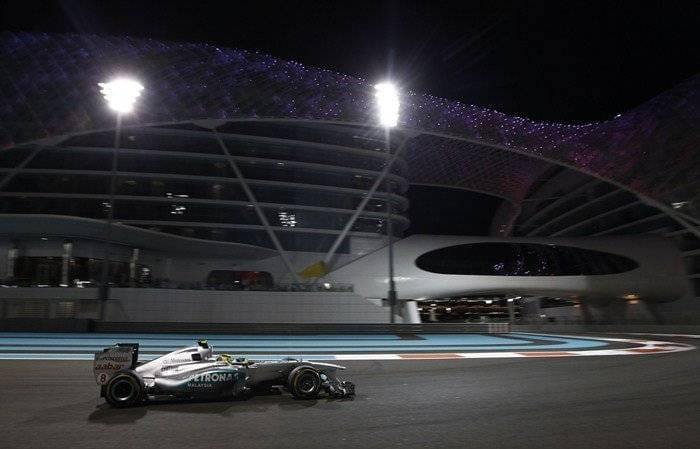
(48, 84)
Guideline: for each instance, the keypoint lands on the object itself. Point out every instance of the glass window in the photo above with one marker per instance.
(141, 141)
(522, 259)
(354, 137)
(179, 188)
(79, 207)
(310, 242)
(33, 271)
(13, 156)
(239, 280)
(45, 182)
(279, 172)
(311, 155)
(181, 211)
(149, 163)
(67, 159)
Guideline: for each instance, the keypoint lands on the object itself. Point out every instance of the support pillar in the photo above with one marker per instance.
(19, 167)
(530, 309)
(654, 312)
(511, 310)
(105, 276)
(432, 316)
(586, 313)
(691, 223)
(258, 210)
(370, 194)
(133, 264)
(12, 254)
(166, 271)
(410, 312)
(66, 258)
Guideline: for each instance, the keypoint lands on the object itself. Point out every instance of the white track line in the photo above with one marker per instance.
(645, 347)
(663, 335)
(642, 347)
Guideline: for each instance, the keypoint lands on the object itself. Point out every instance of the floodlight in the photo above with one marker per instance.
(121, 94)
(388, 104)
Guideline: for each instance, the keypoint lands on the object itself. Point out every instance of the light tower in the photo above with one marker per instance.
(121, 95)
(387, 97)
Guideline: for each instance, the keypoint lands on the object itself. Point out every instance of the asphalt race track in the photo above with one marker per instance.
(642, 401)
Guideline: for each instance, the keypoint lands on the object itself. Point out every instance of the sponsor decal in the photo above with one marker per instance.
(108, 366)
(108, 362)
(207, 380)
(213, 377)
(126, 358)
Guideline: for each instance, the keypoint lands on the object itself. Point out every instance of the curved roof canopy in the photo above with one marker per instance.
(48, 84)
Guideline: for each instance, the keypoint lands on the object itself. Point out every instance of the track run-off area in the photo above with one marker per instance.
(413, 391)
(75, 346)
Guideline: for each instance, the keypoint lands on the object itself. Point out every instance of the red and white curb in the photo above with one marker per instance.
(663, 335)
(643, 347)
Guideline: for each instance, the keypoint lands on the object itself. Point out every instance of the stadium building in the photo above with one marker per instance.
(238, 173)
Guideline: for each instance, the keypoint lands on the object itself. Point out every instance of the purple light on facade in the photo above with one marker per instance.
(48, 87)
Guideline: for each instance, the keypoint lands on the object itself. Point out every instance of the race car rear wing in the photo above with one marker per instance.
(113, 359)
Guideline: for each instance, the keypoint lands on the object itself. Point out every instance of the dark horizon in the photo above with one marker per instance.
(574, 62)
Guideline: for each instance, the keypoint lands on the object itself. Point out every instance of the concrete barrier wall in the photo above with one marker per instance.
(49, 303)
(191, 306)
(299, 328)
(195, 306)
(48, 293)
(685, 311)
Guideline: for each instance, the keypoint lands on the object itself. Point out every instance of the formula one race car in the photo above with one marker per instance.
(196, 373)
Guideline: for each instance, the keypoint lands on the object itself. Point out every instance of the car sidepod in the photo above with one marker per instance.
(216, 382)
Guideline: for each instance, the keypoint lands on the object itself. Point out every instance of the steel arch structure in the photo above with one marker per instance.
(48, 84)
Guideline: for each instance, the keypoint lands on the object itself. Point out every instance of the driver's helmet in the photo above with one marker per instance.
(226, 358)
(204, 350)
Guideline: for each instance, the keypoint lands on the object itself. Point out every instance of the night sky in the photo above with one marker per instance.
(563, 61)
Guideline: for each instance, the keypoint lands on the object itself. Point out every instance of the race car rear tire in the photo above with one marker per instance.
(124, 389)
(304, 382)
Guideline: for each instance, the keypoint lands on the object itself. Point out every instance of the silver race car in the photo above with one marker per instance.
(197, 373)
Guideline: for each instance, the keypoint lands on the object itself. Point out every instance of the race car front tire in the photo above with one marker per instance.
(304, 382)
(124, 389)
